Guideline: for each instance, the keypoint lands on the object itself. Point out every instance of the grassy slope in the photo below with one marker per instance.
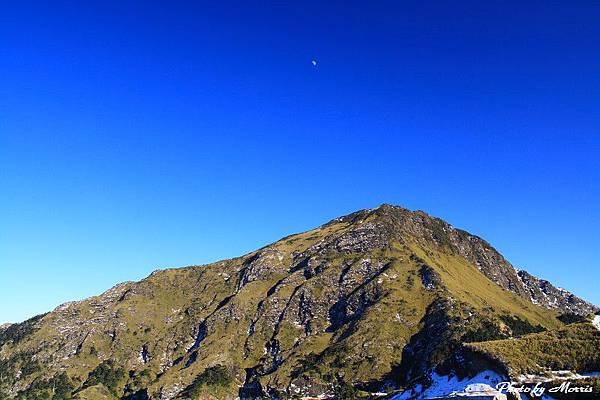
(573, 347)
(467, 284)
(162, 310)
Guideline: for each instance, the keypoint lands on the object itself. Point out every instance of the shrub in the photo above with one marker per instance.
(570, 318)
(216, 376)
(487, 330)
(344, 391)
(58, 387)
(573, 347)
(18, 332)
(520, 327)
(106, 374)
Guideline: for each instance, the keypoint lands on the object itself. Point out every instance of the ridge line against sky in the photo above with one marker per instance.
(154, 135)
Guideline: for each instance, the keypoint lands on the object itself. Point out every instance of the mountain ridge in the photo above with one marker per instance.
(536, 287)
(376, 298)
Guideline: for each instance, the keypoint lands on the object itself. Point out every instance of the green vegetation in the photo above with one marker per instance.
(97, 392)
(345, 391)
(379, 295)
(490, 329)
(17, 332)
(213, 376)
(570, 318)
(21, 361)
(210, 380)
(573, 347)
(107, 374)
(486, 330)
(519, 326)
(59, 387)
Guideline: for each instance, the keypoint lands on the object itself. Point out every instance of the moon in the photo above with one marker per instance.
(314, 63)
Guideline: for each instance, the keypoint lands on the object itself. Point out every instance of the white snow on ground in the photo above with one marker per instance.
(446, 384)
(596, 321)
(556, 376)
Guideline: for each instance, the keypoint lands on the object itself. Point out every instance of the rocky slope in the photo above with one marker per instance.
(374, 300)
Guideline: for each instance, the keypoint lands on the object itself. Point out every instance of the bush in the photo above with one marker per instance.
(520, 327)
(573, 347)
(106, 374)
(213, 376)
(63, 388)
(570, 318)
(18, 332)
(58, 387)
(487, 330)
(344, 391)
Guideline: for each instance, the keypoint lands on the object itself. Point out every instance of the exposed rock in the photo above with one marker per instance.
(547, 295)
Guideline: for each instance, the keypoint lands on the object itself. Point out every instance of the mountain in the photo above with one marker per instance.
(372, 301)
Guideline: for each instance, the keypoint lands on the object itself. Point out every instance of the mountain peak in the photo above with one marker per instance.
(375, 296)
(402, 225)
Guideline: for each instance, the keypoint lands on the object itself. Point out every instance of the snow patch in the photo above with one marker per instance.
(596, 321)
(446, 384)
(560, 375)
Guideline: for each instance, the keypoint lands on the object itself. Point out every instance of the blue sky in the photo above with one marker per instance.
(138, 137)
